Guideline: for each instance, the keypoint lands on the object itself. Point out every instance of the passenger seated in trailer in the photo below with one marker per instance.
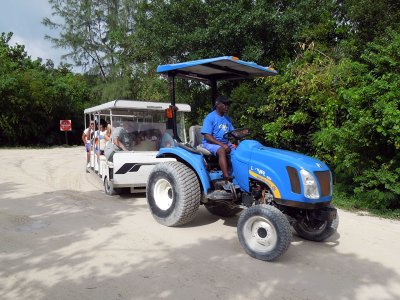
(145, 142)
(136, 139)
(166, 140)
(157, 135)
(119, 139)
(149, 136)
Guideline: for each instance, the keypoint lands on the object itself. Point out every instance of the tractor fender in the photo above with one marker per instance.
(193, 160)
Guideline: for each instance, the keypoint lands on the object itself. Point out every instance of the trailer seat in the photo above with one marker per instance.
(196, 138)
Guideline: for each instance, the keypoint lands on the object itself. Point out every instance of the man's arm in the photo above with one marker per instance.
(86, 136)
(119, 143)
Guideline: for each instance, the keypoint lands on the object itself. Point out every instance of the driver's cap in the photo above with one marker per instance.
(223, 100)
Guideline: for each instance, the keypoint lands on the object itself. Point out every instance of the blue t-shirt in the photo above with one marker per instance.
(217, 126)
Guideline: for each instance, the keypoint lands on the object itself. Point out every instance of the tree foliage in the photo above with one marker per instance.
(34, 98)
(335, 97)
(95, 31)
(263, 31)
(346, 112)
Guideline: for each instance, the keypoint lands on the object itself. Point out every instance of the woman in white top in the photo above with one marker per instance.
(99, 137)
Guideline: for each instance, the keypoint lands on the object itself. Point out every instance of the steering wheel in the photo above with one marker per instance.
(237, 134)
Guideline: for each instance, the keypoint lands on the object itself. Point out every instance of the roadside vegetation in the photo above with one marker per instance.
(336, 97)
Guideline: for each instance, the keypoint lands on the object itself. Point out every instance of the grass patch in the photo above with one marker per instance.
(348, 202)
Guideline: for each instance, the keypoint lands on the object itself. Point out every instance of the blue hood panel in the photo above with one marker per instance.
(269, 165)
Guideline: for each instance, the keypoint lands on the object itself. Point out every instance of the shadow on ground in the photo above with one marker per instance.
(82, 250)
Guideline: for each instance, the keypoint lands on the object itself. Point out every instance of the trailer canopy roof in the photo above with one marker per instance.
(134, 105)
(218, 68)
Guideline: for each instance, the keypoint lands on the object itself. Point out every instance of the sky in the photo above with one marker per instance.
(23, 18)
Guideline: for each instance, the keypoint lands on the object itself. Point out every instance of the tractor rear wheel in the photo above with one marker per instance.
(173, 193)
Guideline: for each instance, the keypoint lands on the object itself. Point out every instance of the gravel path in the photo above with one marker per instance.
(61, 237)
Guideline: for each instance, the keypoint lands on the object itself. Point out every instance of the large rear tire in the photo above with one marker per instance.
(264, 232)
(173, 193)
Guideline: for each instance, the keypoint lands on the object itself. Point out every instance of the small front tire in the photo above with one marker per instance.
(264, 232)
(316, 231)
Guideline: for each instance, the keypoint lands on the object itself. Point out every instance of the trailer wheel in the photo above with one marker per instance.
(109, 188)
(173, 193)
(316, 231)
(264, 232)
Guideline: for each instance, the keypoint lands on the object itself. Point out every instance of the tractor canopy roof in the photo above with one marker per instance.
(215, 69)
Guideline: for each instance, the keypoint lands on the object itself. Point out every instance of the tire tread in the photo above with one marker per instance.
(188, 187)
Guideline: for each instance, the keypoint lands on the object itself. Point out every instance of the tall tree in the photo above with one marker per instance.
(95, 31)
(364, 21)
(263, 31)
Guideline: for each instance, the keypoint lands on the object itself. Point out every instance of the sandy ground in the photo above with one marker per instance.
(61, 237)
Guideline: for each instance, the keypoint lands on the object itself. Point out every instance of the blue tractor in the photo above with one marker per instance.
(273, 189)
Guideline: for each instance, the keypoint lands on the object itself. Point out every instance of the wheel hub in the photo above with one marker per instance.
(163, 194)
(260, 234)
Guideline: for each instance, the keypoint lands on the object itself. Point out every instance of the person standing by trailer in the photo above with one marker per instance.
(87, 136)
(99, 137)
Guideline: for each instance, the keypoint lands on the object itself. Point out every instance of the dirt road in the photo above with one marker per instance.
(61, 237)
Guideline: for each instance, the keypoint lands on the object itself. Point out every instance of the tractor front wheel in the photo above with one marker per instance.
(315, 230)
(264, 232)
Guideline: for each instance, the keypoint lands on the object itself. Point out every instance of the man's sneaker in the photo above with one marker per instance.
(228, 178)
(228, 186)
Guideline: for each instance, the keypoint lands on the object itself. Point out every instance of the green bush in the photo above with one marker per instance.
(34, 98)
(344, 112)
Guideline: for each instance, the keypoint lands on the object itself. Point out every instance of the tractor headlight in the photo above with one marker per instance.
(310, 185)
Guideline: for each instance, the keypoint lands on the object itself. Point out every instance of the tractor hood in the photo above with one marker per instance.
(285, 172)
(259, 152)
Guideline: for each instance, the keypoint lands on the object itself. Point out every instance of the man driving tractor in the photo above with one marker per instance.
(215, 125)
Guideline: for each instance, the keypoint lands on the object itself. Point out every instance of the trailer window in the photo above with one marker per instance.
(144, 130)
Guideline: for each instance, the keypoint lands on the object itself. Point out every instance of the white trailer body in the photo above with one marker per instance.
(145, 125)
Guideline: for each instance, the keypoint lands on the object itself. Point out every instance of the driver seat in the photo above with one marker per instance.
(196, 139)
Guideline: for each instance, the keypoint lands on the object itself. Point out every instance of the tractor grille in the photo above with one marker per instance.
(294, 180)
(324, 178)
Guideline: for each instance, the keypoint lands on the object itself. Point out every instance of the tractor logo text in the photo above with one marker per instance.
(258, 171)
